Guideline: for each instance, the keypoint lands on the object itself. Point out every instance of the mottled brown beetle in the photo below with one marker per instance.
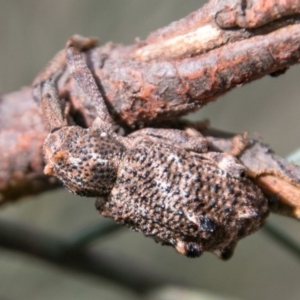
(162, 182)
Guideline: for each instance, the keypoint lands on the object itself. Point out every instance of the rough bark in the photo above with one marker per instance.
(176, 70)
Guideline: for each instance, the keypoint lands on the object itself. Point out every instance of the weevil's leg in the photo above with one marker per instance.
(58, 64)
(240, 143)
(226, 252)
(226, 162)
(83, 43)
(189, 249)
(87, 84)
(51, 106)
(190, 139)
(55, 66)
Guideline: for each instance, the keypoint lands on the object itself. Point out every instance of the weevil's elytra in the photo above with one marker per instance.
(175, 208)
(162, 182)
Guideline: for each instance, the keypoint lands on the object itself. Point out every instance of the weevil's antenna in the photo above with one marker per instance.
(56, 66)
(86, 80)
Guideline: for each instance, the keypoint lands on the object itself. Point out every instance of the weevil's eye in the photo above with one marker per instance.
(243, 174)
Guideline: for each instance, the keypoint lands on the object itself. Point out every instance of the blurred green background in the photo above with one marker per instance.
(31, 32)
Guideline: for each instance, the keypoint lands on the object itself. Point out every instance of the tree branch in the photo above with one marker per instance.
(176, 70)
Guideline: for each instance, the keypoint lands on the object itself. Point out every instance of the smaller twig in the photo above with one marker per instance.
(84, 77)
(154, 80)
(254, 13)
(276, 233)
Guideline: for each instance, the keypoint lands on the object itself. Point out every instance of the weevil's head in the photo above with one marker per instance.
(85, 160)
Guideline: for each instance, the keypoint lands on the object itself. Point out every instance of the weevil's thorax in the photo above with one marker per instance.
(86, 160)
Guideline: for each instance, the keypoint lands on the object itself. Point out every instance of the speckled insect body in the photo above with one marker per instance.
(171, 194)
(162, 182)
(182, 200)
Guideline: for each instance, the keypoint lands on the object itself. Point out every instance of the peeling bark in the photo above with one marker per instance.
(176, 70)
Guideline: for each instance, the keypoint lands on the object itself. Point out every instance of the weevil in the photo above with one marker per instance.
(165, 183)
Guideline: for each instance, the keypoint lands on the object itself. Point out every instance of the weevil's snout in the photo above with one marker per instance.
(54, 154)
(62, 155)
